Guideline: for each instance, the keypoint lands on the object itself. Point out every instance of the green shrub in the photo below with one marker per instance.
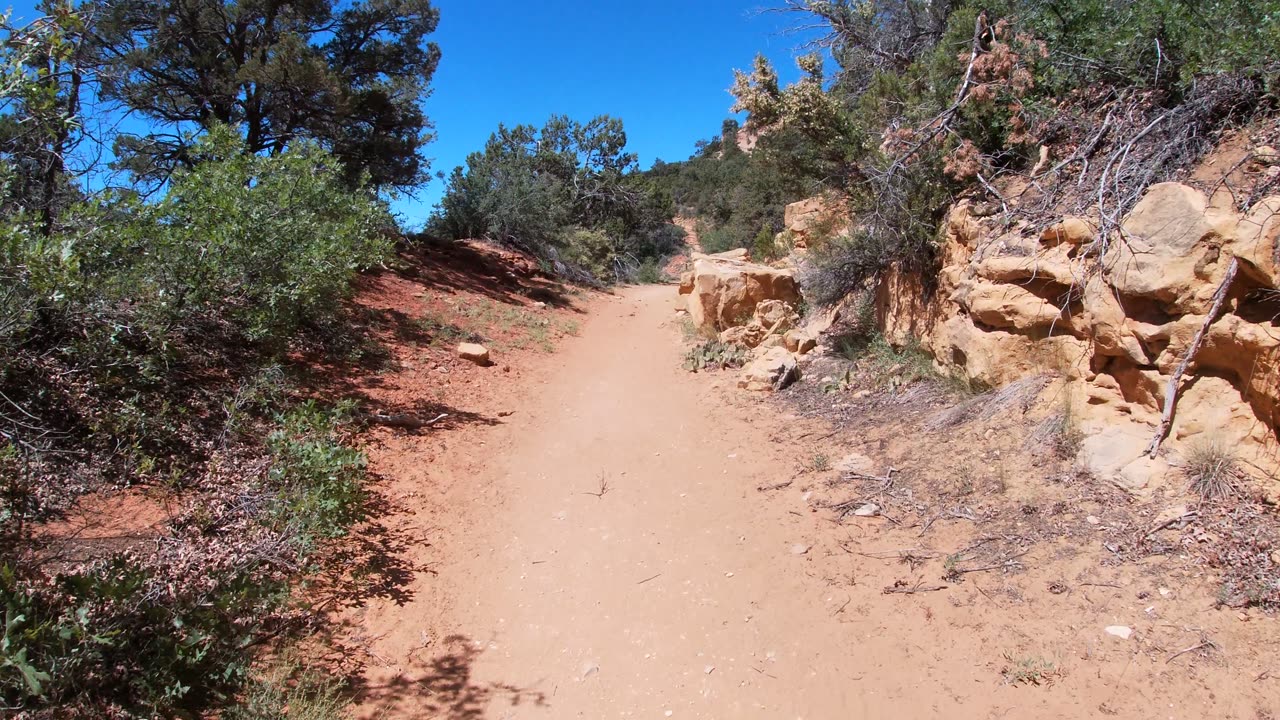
(165, 628)
(715, 355)
(316, 479)
(650, 272)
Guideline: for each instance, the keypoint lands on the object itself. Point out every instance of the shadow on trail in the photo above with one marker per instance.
(439, 684)
(372, 562)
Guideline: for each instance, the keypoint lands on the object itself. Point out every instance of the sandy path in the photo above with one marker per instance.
(667, 593)
(682, 591)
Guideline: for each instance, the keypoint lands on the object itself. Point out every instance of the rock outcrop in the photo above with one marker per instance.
(1114, 317)
(811, 221)
(773, 370)
(723, 290)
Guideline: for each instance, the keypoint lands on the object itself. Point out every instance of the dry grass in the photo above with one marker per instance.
(1212, 470)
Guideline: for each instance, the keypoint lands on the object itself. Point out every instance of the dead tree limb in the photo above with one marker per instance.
(1171, 391)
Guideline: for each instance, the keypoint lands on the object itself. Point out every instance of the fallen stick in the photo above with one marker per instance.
(911, 590)
(404, 421)
(1171, 391)
(1193, 648)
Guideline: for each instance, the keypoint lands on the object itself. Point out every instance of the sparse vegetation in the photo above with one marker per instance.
(820, 462)
(1028, 670)
(1212, 470)
(714, 355)
(568, 193)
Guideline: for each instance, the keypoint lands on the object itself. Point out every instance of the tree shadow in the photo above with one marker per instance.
(441, 685)
(372, 562)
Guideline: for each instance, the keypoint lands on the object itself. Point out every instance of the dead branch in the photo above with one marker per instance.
(1204, 644)
(1171, 391)
(942, 120)
(404, 421)
(901, 588)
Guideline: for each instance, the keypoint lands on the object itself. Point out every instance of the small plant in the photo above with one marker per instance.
(571, 327)
(286, 691)
(1211, 469)
(820, 462)
(715, 355)
(1028, 671)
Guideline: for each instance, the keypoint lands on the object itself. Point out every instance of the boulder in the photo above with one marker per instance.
(799, 342)
(745, 335)
(1007, 306)
(686, 283)
(773, 370)
(776, 316)
(727, 289)
(1170, 252)
(1071, 231)
(477, 354)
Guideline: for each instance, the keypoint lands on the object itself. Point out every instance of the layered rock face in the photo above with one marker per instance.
(1115, 316)
(723, 290)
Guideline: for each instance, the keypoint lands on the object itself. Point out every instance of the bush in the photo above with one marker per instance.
(165, 628)
(269, 244)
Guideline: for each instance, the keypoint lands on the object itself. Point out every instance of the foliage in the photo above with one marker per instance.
(568, 193)
(288, 691)
(44, 69)
(715, 355)
(960, 92)
(351, 77)
(162, 628)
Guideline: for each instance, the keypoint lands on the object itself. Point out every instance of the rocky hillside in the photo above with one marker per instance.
(1179, 307)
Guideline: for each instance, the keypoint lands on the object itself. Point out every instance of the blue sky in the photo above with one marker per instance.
(662, 66)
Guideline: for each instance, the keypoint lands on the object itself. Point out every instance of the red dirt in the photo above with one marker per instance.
(604, 551)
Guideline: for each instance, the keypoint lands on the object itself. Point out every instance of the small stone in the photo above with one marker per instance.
(1123, 632)
(588, 669)
(1266, 155)
(728, 574)
(799, 549)
(477, 354)
(867, 510)
(1275, 557)
(1165, 592)
(540, 305)
(709, 669)
(1093, 520)
(1244, 617)
(668, 713)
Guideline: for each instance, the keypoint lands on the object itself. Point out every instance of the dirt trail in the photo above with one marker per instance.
(605, 553)
(665, 592)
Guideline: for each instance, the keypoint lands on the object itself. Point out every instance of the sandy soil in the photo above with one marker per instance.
(590, 540)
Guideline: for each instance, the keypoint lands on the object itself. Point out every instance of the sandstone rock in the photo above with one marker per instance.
(856, 463)
(1123, 632)
(773, 370)
(726, 290)
(1170, 249)
(477, 354)
(811, 221)
(1266, 155)
(745, 335)
(1071, 231)
(1138, 477)
(799, 341)
(686, 282)
(771, 341)
(1007, 306)
(1105, 454)
(776, 316)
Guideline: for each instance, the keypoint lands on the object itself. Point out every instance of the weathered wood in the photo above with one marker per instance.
(1171, 391)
